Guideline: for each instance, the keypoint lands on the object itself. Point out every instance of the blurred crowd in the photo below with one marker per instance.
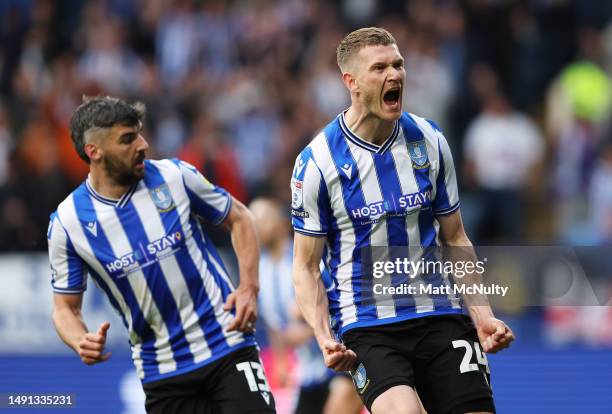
(522, 89)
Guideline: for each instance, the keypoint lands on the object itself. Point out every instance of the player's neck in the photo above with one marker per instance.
(368, 126)
(105, 185)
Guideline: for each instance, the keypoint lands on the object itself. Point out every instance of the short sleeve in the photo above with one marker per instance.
(310, 211)
(68, 272)
(446, 200)
(207, 200)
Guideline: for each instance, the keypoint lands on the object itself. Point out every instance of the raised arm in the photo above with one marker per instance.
(494, 334)
(312, 300)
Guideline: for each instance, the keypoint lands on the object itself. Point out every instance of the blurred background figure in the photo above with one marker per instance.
(522, 90)
(503, 151)
(288, 332)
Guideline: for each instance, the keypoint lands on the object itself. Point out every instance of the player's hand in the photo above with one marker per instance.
(91, 346)
(244, 300)
(337, 356)
(494, 335)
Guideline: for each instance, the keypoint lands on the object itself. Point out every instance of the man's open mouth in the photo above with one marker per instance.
(392, 96)
(140, 160)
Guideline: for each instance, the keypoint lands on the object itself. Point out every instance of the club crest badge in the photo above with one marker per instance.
(162, 198)
(360, 378)
(418, 154)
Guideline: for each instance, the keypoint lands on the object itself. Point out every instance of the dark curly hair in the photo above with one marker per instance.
(101, 112)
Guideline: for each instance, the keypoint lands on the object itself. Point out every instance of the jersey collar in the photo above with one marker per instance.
(121, 202)
(360, 142)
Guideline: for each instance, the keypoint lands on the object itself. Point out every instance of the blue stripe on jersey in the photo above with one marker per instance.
(333, 295)
(198, 205)
(326, 214)
(305, 157)
(113, 301)
(397, 235)
(426, 218)
(156, 281)
(434, 125)
(352, 194)
(52, 218)
(441, 201)
(412, 133)
(207, 248)
(213, 331)
(86, 213)
(209, 211)
(75, 267)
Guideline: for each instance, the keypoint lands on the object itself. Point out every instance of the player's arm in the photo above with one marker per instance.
(241, 225)
(312, 300)
(493, 333)
(69, 283)
(72, 330)
(218, 207)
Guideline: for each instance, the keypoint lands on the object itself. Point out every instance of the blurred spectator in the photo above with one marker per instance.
(108, 61)
(503, 148)
(265, 71)
(329, 94)
(207, 149)
(600, 196)
(578, 108)
(177, 43)
(35, 187)
(429, 88)
(6, 144)
(286, 328)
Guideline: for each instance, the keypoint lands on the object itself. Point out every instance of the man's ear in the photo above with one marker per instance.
(350, 81)
(93, 151)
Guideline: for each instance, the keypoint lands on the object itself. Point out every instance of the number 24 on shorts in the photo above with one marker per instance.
(466, 363)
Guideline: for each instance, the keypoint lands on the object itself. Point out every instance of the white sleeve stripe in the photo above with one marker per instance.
(58, 248)
(69, 291)
(310, 232)
(447, 210)
(312, 192)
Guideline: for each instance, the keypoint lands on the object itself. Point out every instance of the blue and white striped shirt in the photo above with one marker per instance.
(359, 195)
(148, 252)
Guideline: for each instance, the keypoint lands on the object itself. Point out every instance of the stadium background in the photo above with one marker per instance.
(522, 90)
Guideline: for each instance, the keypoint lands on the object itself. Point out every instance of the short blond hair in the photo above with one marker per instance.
(360, 38)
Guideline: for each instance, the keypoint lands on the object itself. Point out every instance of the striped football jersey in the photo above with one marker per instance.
(149, 254)
(361, 197)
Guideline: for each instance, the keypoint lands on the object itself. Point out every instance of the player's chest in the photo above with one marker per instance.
(151, 228)
(372, 189)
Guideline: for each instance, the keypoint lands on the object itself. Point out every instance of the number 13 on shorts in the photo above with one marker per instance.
(252, 370)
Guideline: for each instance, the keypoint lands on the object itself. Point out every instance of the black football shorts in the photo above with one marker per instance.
(234, 384)
(439, 356)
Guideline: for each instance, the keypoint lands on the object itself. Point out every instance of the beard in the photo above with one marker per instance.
(122, 173)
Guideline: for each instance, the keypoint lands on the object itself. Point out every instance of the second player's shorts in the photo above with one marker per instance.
(235, 384)
(439, 356)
